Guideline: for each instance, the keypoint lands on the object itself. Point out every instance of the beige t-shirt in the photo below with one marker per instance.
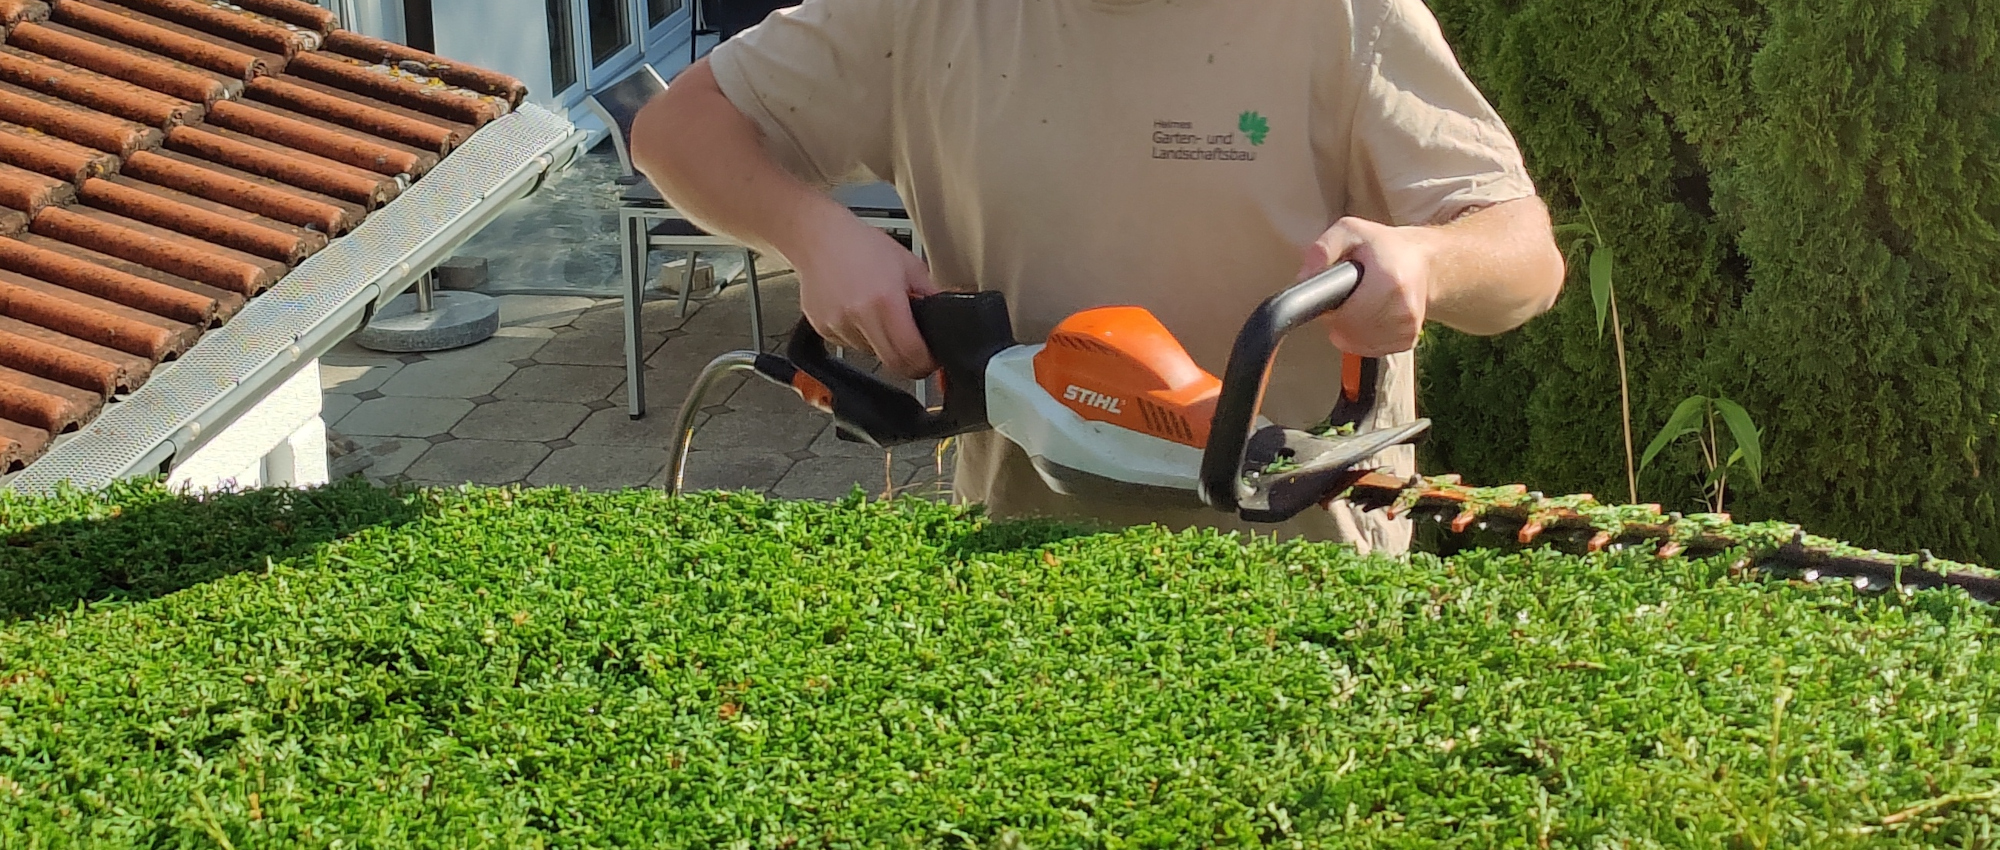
(1177, 155)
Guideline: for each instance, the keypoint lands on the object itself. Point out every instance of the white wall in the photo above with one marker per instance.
(279, 443)
(509, 36)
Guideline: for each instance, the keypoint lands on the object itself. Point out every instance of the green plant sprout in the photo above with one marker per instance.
(1605, 297)
(1696, 415)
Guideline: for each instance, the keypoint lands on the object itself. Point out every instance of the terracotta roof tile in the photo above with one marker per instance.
(19, 443)
(29, 192)
(93, 319)
(84, 126)
(123, 283)
(164, 161)
(14, 11)
(369, 115)
(65, 359)
(114, 59)
(88, 88)
(34, 150)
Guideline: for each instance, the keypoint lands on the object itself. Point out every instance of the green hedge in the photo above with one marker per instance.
(499, 668)
(1804, 200)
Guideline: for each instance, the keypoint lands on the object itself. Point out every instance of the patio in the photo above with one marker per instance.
(542, 403)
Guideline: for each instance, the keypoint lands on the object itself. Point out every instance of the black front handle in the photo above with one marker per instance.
(1250, 367)
(962, 331)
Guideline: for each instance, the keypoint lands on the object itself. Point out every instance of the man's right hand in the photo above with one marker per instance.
(855, 286)
(855, 283)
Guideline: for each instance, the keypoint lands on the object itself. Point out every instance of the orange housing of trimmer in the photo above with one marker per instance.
(1120, 366)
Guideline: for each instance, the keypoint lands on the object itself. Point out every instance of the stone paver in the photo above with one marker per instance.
(538, 421)
(490, 462)
(760, 431)
(403, 417)
(504, 346)
(613, 427)
(542, 311)
(600, 467)
(391, 456)
(660, 315)
(576, 347)
(333, 406)
(835, 477)
(351, 379)
(561, 383)
(733, 469)
(453, 378)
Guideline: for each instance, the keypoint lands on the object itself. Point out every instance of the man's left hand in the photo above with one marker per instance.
(1389, 306)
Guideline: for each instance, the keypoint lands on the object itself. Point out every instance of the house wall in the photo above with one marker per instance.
(509, 36)
(281, 442)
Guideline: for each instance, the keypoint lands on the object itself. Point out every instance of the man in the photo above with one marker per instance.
(1188, 156)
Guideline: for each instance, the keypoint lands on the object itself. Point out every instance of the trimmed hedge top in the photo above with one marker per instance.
(533, 668)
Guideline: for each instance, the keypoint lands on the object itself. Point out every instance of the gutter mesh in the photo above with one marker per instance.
(318, 289)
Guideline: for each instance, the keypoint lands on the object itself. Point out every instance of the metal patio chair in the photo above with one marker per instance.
(648, 223)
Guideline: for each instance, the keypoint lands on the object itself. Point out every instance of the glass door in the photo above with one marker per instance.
(664, 18)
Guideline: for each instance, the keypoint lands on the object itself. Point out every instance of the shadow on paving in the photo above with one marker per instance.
(160, 543)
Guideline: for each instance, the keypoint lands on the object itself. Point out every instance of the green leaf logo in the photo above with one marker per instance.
(1253, 126)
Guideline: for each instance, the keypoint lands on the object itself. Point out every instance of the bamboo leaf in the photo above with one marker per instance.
(1600, 284)
(1686, 420)
(1744, 432)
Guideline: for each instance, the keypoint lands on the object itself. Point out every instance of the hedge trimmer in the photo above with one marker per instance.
(1112, 408)
(1109, 408)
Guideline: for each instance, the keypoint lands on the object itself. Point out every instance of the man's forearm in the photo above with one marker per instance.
(1495, 269)
(709, 161)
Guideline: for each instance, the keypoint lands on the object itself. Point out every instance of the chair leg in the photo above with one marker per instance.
(756, 300)
(687, 282)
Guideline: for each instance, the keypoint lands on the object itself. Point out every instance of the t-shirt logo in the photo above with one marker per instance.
(1254, 127)
(1186, 140)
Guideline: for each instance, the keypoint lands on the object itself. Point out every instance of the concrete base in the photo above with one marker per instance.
(456, 320)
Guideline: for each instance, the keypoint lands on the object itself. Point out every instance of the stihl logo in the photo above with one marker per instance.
(1098, 400)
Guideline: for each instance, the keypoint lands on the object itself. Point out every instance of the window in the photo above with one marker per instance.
(658, 11)
(562, 46)
(610, 29)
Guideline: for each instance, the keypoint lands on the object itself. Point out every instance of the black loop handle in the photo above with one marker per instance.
(1250, 367)
(962, 332)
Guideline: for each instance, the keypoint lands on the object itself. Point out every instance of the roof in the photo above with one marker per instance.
(163, 162)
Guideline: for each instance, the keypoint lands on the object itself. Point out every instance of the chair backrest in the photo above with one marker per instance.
(618, 105)
(729, 17)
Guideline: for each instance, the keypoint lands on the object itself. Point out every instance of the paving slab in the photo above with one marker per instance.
(766, 432)
(542, 311)
(561, 383)
(730, 469)
(830, 445)
(347, 353)
(831, 478)
(403, 417)
(592, 347)
(332, 406)
(613, 427)
(504, 346)
(356, 378)
(464, 378)
(391, 456)
(539, 421)
(600, 467)
(656, 315)
(487, 462)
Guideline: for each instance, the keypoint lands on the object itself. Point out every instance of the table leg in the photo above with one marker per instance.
(634, 239)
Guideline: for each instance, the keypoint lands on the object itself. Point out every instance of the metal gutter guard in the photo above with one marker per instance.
(326, 298)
